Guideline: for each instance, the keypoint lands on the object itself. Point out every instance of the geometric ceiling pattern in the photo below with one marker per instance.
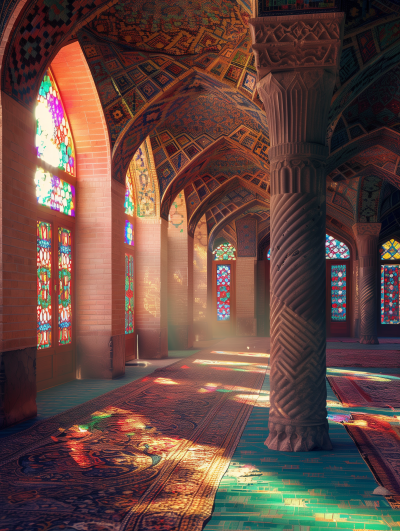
(183, 73)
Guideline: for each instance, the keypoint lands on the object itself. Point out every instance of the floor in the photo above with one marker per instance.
(265, 489)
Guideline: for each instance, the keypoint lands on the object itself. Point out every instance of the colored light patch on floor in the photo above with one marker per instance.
(127, 458)
(251, 354)
(264, 489)
(230, 363)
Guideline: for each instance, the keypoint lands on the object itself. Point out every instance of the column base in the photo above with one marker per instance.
(290, 438)
(369, 340)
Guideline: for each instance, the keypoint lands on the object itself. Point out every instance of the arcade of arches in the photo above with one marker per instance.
(171, 175)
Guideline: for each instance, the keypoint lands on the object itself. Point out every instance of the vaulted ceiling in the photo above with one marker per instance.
(183, 72)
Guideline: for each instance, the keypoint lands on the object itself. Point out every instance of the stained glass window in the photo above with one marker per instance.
(129, 295)
(338, 292)
(55, 193)
(44, 311)
(225, 251)
(129, 194)
(335, 249)
(390, 294)
(223, 292)
(53, 135)
(129, 233)
(269, 254)
(64, 296)
(390, 250)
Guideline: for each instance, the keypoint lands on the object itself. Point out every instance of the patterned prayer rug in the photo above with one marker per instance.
(147, 456)
(377, 438)
(382, 340)
(362, 358)
(359, 389)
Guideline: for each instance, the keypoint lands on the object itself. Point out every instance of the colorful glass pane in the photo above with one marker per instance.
(55, 193)
(390, 294)
(54, 142)
(129, 233)
(269, 254)
(338, 292)
(64, 295)
(44, 310)
(223, 292)
(225, 251)
(129, 194)
(129, 295)
(390, 250)
(335, 249)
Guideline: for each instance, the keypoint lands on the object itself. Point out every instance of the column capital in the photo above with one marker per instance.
(297, 41)
(366, 229)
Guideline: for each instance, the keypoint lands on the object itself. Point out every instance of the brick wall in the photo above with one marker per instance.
(18, 226)
(18, 296)
(99, 223)
(180, 279)
(246, 323)
(151, 256)
(200, 329)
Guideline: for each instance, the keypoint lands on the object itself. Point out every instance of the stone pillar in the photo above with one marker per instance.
(200, 325)
(261, 299)
(297, 57)
(18, 296)
(246, 322)
(367, 235)
(180, 277)
(151, 305)
(246, 276)
(100, 220)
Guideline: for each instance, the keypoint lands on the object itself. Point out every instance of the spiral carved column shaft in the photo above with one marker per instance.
(367, 235)
(297, 78)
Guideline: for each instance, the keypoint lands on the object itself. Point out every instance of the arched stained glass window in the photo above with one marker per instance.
(54, 142)
(335, 249)
(223, 292)
(225, 251)
(390, 288)
(129, 294)
(390, 250)
(129, 193)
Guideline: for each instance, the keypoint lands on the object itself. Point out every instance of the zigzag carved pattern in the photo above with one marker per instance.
(298, 356)
(368, 311)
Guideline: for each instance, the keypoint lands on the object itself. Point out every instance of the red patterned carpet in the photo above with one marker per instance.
(382, 340)
(377, 438)
(362, 358)
(372, 391)
(147, 456)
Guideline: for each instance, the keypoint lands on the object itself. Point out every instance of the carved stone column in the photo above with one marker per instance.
(297, 57)
(367, 235)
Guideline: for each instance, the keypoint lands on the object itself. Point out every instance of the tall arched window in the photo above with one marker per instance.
(129, 239)
(390, 267)
(55, 192)
(339, 253)
(224, 289)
